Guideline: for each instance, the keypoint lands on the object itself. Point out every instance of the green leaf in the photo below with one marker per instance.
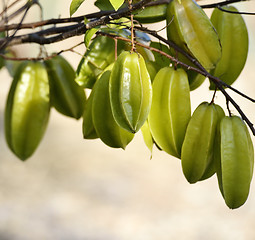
(116, 3)
(75, 4)
(104, 5)
(88, 35)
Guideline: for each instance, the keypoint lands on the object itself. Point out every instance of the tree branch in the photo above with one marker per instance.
(220, 4)
(233, 12)
(19, 11)
(69, 31)
(200, 69)
(103, 18)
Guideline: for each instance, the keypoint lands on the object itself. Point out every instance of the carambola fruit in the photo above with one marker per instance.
(234, 39)
(198, 146)
(65, 94)
(130, 91)
(235, 161)
(190, 28)
(27, 109)
(170, 111)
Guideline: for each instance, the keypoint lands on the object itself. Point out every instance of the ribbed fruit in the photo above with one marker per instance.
(190, 28)
(235, 161)
(27, 109)
(65, 94)
(130, 91)
(170, 110)
(234, 39)
(106, 128)
(198, 146)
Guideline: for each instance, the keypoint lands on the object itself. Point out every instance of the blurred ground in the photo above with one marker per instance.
(72, 189)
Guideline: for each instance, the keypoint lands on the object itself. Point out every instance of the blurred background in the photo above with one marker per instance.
(75, 189)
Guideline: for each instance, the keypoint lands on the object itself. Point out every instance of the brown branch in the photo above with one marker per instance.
(19, 11)
(9, 39)
(233, 12)
(79, 19)
(54, 21)
(70, 31)
(80, 28)
(40, 58)
(8, 7)
(200, 69)
(220, 4)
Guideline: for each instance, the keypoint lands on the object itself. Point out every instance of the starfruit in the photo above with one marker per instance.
(170, 111)
(65, 94)
(98, 56)
(190, 28)
(130, 91)
(147, 136)
(151, 14)
(234, 39)
(88, 129)
(106, 128)
(27, 109)
(198, 145)
(235, 161)
(211, 166)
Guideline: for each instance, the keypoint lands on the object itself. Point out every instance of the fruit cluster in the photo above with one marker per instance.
(35, 88)
(141, 89)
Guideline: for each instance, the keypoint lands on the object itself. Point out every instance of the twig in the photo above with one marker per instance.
(132, 27)
(202, 71)
(40, 58)
(20, 10)
(223, 3)
(68, 31)
(8, 7)
(7, 40)
(233, 12)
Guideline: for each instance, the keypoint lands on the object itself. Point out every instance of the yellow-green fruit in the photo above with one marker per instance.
(211, 167)
(98, 56)
(151, 69)
(65, 94)
(88, 128)
(170, 110)
(198, 145)
(146, 53)
(130, 91)
(151, 14)
(195, 79)
(190, 28)
(236, 158)
(234, 39)
(106, 128)
(147, 137)
(27, 109)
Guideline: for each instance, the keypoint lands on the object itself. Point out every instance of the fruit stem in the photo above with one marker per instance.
(116, 48)
(132, 27)
(214, 94)
(229, 112)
